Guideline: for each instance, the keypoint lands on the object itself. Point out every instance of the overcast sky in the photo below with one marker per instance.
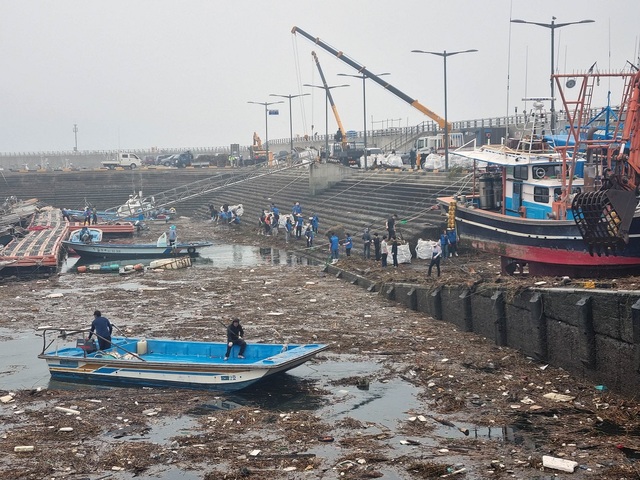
(171, 74)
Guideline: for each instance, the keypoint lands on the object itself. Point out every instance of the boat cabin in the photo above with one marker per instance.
(531, 190)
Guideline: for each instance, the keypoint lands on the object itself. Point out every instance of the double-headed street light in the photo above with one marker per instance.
(552, 26)
(364, 106)
(326, 89)
(290, 122)
(266, 123)
(444, 56)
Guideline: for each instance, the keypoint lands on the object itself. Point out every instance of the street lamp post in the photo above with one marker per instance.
(364, 107)
(266, 124)
(326, 89)
(290, 117)
(75, 132)
(552, 26)
(444, 56)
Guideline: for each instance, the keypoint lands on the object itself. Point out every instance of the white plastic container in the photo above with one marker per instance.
(141, 347)
(559, 463)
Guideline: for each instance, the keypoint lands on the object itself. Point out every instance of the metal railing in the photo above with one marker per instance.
(400, 137)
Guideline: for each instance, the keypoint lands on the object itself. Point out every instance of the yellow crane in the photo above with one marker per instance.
(363, 71)
(330, 98)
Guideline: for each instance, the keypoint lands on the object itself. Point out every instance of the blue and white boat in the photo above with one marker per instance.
(114, 251)
(141, 362)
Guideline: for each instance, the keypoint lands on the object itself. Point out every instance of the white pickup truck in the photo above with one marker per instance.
(124, 160)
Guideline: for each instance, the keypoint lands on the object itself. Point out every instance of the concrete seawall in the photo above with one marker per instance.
(594, 334)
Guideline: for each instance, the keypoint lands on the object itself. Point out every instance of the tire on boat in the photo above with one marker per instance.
(191, 250)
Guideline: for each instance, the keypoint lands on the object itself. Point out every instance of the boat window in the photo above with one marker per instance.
(557, 192)
(541, 194)
(521, 172)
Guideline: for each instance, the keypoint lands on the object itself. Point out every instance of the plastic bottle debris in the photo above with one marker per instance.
(24, 448)
(66, 429)
(68, 411)
(559, 463)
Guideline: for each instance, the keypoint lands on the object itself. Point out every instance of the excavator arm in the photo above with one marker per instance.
(330, 98)
(363, 71)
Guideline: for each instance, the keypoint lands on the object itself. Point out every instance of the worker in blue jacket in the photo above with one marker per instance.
(299, 224)
(102, 327)
(334, 242)
(348, 244)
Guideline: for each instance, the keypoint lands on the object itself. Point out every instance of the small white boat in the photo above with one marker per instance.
(166, 363)
(114, 251)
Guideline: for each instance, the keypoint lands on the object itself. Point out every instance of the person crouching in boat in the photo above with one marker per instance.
(102, 327)
(234, 337)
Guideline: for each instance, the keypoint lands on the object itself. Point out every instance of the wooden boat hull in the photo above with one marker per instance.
(177, 364)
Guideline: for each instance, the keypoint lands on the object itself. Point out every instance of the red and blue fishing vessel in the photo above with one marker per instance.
(568, 210)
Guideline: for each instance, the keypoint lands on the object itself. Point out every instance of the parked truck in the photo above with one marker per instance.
(124, 160)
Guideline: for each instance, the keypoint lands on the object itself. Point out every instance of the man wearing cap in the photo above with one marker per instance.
(234, 337)
(102, 327)
(173, 236)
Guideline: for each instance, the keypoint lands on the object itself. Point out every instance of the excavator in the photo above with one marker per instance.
(606, 215)
(343, 152)
(363, 71)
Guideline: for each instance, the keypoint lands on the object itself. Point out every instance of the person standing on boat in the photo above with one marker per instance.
(87, 216)
(65, 215)
(173, 236)
(94, 215)
(234, 337)
(102, 327)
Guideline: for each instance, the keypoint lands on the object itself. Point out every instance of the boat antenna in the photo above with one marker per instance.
(509, 66)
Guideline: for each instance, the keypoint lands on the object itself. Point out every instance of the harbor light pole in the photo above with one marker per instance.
(266, 124)
(290, 117)
(552, 26)
(364, 106)
(444, 56)
(75, 132)
(326, 89)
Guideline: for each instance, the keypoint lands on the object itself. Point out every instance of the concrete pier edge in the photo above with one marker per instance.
(593, 334)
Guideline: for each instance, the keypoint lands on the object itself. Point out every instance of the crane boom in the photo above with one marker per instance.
(330, 98)
(362, 70)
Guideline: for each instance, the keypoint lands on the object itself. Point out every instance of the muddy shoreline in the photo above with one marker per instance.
(473, 405)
